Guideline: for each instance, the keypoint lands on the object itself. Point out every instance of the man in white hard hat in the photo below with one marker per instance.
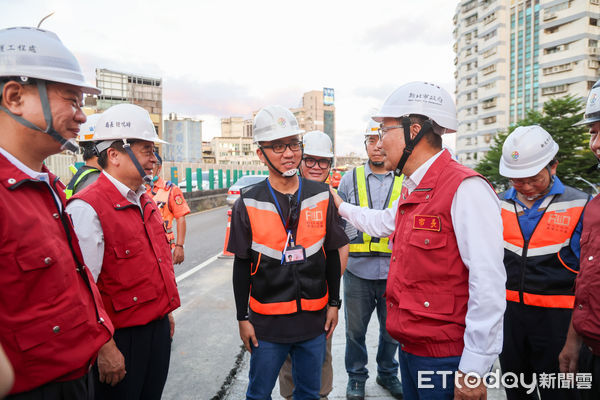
(371, 186)
(88, 173)
(316, 163)
(542, 227)
(445, 288)
(285, 234)
(52, 321)
(585, 323)
(124, 244)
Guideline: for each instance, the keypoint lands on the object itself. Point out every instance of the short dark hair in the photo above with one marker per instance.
(88, 150)
(118, 146)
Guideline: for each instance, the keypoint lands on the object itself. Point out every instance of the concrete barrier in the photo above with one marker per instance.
(201, 200)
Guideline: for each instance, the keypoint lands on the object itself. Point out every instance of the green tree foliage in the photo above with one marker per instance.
(574, 155)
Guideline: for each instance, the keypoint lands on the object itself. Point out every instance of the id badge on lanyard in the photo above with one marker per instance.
(291, 253)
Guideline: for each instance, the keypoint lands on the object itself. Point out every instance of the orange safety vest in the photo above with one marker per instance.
(278, 289)
(536, 273)
(161, 198)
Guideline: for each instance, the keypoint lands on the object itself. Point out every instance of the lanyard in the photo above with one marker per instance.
(277, 203)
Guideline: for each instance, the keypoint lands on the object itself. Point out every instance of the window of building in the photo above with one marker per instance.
(594, 21)
(471, 20)
(490, 103)
(489, 120)
(554, 89)
(558, 69)
(489, 18)
(489, 85)
(489, 52)
(488, 70)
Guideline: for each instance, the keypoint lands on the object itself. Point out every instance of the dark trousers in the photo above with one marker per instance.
(147, 352)
(76, 389)
(533, 338)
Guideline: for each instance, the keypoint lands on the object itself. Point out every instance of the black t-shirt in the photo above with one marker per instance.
(286, 328)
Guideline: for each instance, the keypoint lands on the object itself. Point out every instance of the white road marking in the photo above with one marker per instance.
(196, 268)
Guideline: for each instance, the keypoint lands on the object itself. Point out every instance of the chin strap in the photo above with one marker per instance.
(289, 173)
(410, 144)
(65, 144)
(146, 178)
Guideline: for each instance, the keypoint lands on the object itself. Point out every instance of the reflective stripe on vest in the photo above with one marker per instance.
(552, 233)
(367, 245)
(544, 240)
(69, 190)
(268, 240)
(542, 300)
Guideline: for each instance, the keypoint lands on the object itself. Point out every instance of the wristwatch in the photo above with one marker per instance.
(335, 303)
(179, 245)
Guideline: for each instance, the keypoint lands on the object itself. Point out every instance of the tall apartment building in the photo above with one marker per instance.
(236, 127)
(120, 87)
(514, 55)
(317, 112)
(235, 151)
(185, 139)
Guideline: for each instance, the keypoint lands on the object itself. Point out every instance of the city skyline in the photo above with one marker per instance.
(222, 60)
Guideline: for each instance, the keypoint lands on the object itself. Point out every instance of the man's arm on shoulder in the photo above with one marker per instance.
(89, 233)
(478, 228)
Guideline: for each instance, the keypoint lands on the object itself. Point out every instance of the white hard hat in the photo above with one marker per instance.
(592, 107)
(372, 128)
(526, 151)
(36, 53)
(124, 121)
(274, 122)
(422, 98)
(86, 130)
(317, 143)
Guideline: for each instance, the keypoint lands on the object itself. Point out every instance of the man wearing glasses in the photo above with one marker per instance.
(542, 221)
(372, 186)
(285, 234)
(445, 287)
(315, 166)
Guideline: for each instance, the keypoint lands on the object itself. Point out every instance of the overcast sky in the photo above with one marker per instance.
(220, 58)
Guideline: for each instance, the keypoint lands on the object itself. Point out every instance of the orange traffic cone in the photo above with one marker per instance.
(225, 253)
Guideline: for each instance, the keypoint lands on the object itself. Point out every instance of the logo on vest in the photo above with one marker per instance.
(427, 223)
(314, 218)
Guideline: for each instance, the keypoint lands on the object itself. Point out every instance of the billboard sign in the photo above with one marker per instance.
(328, 96)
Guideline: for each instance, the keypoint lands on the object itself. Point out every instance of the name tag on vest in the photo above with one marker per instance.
(427, 223)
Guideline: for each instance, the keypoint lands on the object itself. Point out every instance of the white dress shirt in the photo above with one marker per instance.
(40, 176)
(88, 228)
(477, 224)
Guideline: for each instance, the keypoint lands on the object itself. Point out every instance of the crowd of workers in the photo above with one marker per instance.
(458, 275)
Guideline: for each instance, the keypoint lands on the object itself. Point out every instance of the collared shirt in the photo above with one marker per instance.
(40, 176)
(477, 225)
(371, 268)
(531, 216)
(88, 228)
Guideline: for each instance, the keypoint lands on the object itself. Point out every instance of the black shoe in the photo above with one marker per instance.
(391, 384)
(355, 390)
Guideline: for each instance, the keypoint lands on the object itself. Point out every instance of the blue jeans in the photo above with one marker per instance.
(266, 361)
(361, 298)
(437, 389)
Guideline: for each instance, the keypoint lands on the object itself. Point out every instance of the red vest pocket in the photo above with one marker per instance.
(427, 302)
(134, 297)
(41, 332)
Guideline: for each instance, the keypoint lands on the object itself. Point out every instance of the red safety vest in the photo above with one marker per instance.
(536, 274)
(427, 288)
(52, 322)
(137, 281)
(278, 289)
(586, 313)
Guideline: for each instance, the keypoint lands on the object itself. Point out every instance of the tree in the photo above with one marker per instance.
(574, 156)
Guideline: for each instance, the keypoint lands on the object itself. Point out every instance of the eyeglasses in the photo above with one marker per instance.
(536, 180)
(372, 141)
(280, 147)
(310, 162)
(384, 129)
